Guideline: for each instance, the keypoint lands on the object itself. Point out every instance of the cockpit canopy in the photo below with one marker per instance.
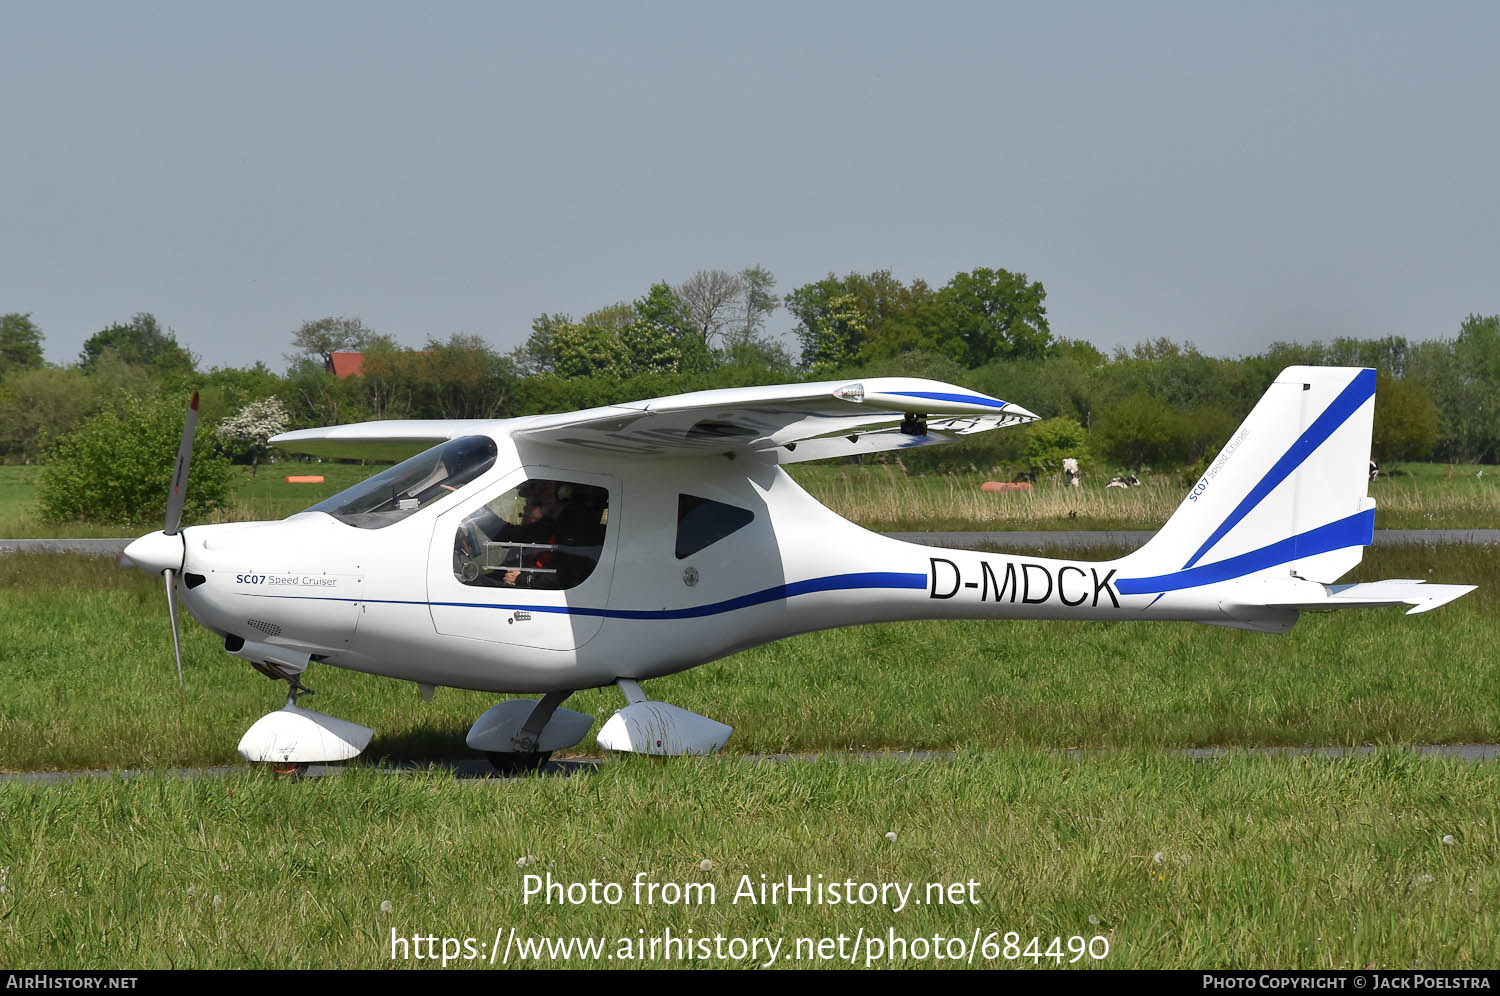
(397, 492)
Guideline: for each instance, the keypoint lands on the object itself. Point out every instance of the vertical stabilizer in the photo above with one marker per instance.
(1287, 495)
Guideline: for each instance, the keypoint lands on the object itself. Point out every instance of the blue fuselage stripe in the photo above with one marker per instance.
(1359, 390)
(1356, 530)
(836, 582)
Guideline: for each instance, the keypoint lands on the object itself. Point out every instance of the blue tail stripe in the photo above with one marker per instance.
(1360, 390)
(1356, 530)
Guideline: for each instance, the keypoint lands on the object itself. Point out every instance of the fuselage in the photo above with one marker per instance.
(394, 600)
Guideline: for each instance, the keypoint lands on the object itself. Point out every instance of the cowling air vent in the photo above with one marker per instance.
(268, 628)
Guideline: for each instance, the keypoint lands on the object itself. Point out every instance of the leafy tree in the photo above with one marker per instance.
(1388, 355)
(225, 390)
(1462, 377)
(650, 349)
(759, 303)
(117, 468)
(20, 343)
(1406, 420)
(615, 316)
(755, 356)
(1053, 440)
(893, 318)
(36, 406)
(588, 351)
(39, 406)
(536, 355)
(918, 363)
(314, 396)
(664, 310)
(323, 337)
(460, 378)
(1204, 430)
(985, 315)
(831, 338)
(140, 342)
(1139, 431)
(247, 433)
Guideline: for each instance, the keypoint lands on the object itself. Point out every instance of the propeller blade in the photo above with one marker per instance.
(178, 494)
(172, 611)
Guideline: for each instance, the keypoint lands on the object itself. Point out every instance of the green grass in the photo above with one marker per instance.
(1384, 860)
(885, 498)
(90, 682)
(1250, 860)
(880, 497)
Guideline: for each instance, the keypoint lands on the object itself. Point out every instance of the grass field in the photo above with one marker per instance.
(1378, 861)
(72, 626)
(880, 497)
(885, 498)
(1251, 860)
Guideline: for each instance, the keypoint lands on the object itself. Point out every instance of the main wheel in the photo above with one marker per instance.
(518, 763)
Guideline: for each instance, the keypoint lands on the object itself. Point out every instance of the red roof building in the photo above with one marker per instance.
(343, 365)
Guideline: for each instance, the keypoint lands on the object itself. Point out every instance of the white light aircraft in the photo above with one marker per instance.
(552, 553)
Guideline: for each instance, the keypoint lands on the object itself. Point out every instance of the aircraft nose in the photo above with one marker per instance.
(156, 552)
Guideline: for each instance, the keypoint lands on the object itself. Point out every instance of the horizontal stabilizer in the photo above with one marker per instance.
(1422, 597)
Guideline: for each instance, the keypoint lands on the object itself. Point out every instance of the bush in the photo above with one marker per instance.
(118, 468)
(1053, 440)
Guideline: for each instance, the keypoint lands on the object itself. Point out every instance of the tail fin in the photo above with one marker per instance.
(1286, 497)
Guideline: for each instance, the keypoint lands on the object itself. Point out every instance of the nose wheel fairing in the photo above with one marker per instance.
(294, 735)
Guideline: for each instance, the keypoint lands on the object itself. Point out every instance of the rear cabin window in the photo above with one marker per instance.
(397, 492)
(541, 534)
(702, 522)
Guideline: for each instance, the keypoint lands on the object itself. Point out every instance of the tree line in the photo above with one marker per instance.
(1158, 404)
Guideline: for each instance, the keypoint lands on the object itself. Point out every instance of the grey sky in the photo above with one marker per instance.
(1229, 174)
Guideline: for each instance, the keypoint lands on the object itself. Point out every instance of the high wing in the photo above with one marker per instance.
(796, 422)
(391, 439)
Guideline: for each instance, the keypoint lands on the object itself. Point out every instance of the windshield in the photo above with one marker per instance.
(397, 492)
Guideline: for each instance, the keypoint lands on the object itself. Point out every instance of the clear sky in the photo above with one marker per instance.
(1225, 173)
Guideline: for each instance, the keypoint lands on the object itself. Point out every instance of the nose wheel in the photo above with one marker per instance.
(518, 763)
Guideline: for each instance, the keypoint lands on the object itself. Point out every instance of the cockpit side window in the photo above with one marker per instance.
(397, 492)
(702, 522)
(542, 534)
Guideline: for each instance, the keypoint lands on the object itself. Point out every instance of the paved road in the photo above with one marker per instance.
(97, 547)
(1070, 539)
(471, 768)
